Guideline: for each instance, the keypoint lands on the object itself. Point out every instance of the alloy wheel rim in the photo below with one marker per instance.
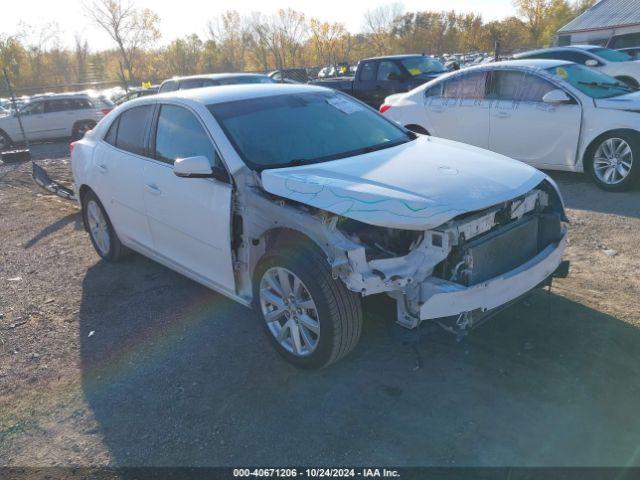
(98, 227)
(613, 161)
(290, 311)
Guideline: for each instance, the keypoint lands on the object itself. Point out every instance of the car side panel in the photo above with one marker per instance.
(118, 184)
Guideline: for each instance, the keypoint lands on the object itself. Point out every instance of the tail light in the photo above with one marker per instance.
(384, 108)
(71, 146)
(106, 110)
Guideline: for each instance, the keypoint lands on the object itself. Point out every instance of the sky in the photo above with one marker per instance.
(179, 18)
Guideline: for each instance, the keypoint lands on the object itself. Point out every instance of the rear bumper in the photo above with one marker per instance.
(444, 299)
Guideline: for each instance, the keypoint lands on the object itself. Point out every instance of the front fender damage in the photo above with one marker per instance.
(416, 268)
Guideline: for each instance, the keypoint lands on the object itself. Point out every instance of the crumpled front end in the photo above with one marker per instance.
(469, 266)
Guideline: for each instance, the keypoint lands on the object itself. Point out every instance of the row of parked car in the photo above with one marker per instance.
(581, 99)
(299, 200)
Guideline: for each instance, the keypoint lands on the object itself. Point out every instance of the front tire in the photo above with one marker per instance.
(311, 319)
(614, 161)
(103, 235)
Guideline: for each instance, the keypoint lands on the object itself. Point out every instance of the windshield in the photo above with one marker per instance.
(421, 65)
(591, 82)
(294, 129)
(612, 55)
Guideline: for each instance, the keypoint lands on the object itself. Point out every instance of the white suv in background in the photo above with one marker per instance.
(52, 116)
(614, 63)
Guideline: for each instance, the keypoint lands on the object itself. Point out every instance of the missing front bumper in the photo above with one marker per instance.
(443, 299)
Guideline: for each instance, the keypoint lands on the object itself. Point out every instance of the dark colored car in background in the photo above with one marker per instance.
(212, 80)
(136, 93)
(378, 77)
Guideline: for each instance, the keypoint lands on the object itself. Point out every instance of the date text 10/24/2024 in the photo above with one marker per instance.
(316, 473)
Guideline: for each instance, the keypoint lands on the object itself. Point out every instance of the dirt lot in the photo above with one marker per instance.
(132, 364)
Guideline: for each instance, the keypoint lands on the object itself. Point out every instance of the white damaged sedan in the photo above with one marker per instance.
(299, 201)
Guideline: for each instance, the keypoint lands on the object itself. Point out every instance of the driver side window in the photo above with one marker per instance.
(34, 108)
(180, 135)
(388, 71)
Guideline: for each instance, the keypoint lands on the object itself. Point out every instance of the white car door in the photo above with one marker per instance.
(34, 122)
(190, 218)
(118, 163)
(523, 127)
(458, 110)
(57, 118)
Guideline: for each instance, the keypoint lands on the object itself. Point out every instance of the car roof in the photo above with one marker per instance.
(230, 93)
(542, 63)
(396, 57)
(59, 96)
(214, 76)
(557, 49)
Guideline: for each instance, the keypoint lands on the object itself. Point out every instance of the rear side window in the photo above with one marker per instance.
(180, 135)
(470, 85)
(168, 87)
(192, 83)
(132, 128)
(80, 104)
(51, 106)
(506, 85)
(367, 71)
(112, 134)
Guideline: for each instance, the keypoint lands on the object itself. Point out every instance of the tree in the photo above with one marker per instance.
(378, 25)
(131, 29)
(535, 14)
(329, 42)
(183, 55)
(229, 33)
(81, 58)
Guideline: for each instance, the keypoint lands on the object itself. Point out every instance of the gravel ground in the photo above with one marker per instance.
(132, 364)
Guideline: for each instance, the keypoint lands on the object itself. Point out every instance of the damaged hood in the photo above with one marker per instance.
(415, 186)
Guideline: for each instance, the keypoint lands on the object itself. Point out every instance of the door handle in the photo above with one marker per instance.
(102, 168)
(152, 189)
(502, 114)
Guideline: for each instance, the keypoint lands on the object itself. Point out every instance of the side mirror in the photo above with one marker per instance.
(591, 63)
(556, 96)
(198, 167)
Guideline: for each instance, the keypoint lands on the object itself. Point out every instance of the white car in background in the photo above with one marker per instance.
(614, 63)
(551, 114)
(52, 116)
(300, 200)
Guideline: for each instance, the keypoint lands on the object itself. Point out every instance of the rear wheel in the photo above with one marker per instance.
(311, 319)
(103, 235)
(614, 161)
(81, 128)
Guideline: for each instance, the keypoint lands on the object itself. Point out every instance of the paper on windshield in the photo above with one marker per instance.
(345, 105)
